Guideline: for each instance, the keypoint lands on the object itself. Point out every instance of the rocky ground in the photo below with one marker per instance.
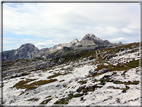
(112, 80)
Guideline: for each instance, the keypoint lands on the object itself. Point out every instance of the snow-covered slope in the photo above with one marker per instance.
(81, 82)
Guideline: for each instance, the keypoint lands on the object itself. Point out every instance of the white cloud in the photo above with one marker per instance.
(45, 44)
(118, 39)
(63, 22)
(110, 29)
(126, 30)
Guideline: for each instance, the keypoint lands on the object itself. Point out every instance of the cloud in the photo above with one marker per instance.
(46, 43)
(118, 39)
(52, 23)
(126, 30)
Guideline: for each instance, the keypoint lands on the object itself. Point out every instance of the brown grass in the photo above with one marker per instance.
(23, 85)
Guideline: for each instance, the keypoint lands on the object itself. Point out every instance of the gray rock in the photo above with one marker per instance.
(92, 72)
(102, 70)
(43, 65)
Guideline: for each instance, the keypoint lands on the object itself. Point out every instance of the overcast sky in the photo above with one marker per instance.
(48, 24)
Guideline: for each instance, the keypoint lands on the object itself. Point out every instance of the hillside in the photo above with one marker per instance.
(75, 78)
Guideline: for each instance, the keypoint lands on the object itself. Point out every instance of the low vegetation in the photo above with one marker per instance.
(45, 101)
(61, 80)
(87, 89)
(58, 74)
(22, 84)
(123, 89)
(127, 83)
(33, 99)
(133, 64)
(23, 74)
(66, 100)
(82, 82)
(99, 67)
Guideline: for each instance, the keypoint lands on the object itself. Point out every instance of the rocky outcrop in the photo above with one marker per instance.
(27, 50)
(91, 39)
(60, 46)
(97, 72)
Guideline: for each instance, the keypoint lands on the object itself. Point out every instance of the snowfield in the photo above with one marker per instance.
(74, 85)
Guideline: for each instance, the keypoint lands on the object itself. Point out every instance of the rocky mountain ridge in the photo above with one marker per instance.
(89, 42)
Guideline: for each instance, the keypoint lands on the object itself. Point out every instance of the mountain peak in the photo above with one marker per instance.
(89, 36)
(30, 45)
(74, 41)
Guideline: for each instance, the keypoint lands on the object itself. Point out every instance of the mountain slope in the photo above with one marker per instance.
(78, 79)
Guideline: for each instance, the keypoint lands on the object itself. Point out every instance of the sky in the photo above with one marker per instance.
(49, 24)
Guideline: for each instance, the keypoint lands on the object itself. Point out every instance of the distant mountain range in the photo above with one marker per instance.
(28, 50)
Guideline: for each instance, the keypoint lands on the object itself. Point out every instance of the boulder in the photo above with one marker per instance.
(92, 72)
(102, 70)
